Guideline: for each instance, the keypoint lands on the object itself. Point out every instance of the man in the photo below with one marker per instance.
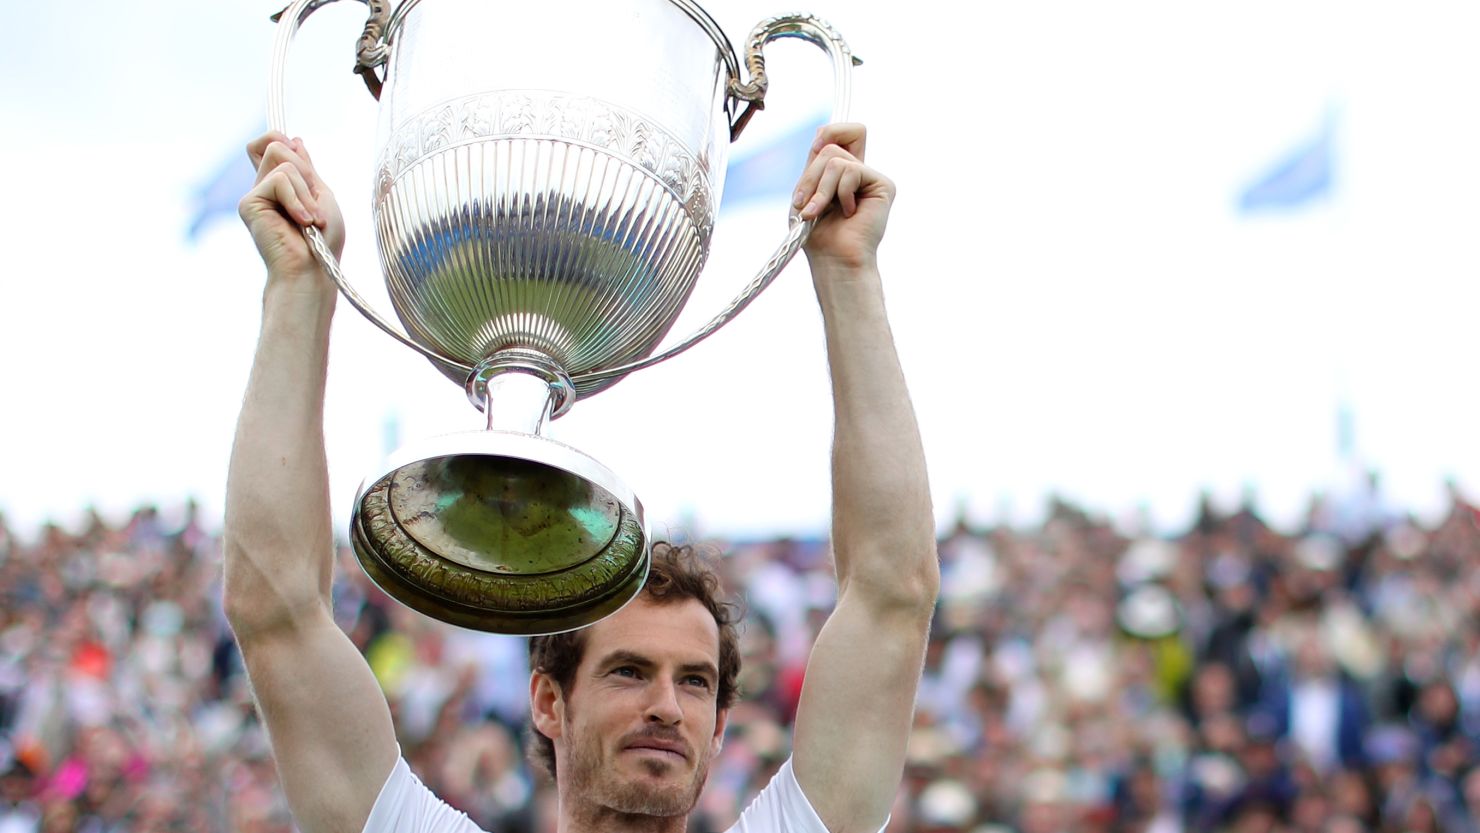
(634, 711)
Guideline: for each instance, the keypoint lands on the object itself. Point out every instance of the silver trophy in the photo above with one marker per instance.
(546, 188)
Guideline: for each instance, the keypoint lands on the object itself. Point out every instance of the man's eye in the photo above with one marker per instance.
(625, 671)
(698, 681)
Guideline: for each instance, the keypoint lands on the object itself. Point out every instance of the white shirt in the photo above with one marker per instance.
(1315, 720)
(405, 805)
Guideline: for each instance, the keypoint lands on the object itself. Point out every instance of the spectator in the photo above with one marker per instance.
(1324, 679)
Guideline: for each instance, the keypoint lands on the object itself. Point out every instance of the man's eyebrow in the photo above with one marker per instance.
(626, 658)
(705, 668)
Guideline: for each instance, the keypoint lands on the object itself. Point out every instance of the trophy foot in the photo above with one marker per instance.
(504, 530)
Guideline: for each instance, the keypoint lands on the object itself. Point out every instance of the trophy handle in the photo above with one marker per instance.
(370, 53)
(815, 31)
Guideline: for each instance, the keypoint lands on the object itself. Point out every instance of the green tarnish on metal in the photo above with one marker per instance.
(502, 514)
(582, 554)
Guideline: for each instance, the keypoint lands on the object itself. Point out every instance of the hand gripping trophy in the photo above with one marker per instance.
(543, 204)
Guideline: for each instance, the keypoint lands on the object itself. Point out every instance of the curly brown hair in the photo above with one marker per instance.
(678, 573)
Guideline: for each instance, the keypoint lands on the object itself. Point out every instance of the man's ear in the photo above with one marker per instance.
(720, 721)
(546, 705)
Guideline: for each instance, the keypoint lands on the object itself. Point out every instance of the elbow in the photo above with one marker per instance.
(243, 617)
(910, 589)
(244, 607)
(257, 600)
(920, 589)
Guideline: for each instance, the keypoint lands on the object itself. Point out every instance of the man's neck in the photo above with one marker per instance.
(583, 817)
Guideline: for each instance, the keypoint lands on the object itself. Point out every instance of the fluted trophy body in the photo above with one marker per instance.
(546, 184)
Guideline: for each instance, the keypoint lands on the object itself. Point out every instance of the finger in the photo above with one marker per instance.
(286, 187)
(258, 146)
(850, 136)
(275, 196)
(812, 175)
(827, 187)
(274, 155)
(311, 172)
(283, 153)
(843, 179)
(849, 184)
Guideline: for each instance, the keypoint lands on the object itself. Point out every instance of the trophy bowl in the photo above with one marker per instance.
(547, 181)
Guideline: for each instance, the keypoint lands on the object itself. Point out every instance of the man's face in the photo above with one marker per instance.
(639, 726)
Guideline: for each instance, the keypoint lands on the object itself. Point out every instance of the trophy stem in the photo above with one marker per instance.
(520, 390)
(517, 401)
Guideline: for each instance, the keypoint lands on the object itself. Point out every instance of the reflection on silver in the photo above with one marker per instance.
(575, 120)
(543, 221)
(546, 186)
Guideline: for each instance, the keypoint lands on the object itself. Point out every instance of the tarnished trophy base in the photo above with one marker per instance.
(502, 531)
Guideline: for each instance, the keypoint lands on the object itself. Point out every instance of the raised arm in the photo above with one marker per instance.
(330, 727)
(857, 703)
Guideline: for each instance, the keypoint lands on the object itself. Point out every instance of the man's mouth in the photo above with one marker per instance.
(666, 749)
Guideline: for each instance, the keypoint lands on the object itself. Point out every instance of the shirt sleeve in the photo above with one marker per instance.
(405, 805)
(782, 807)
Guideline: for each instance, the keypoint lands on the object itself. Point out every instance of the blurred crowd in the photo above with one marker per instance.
(1080, 677)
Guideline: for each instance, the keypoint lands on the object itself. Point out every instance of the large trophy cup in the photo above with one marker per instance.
(547, 184)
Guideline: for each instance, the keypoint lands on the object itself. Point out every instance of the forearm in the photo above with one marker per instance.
(306, 674)
(883, 523)
(278, 531)
(854, 716)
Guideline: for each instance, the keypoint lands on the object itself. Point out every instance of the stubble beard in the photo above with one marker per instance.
(595, 782)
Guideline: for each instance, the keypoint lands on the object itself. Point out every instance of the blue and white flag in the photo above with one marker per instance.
(1304, 175)
(218, 196)
(771, 171)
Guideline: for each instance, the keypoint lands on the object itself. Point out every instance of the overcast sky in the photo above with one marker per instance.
(1078, 302)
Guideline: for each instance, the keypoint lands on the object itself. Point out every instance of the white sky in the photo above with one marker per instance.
(1078, 306)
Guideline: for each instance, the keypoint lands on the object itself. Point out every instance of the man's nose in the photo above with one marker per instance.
(662, 705)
